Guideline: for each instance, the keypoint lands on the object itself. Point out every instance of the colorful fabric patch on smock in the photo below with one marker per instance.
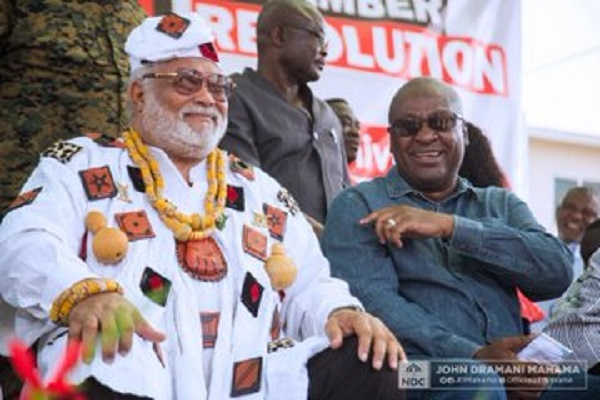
(252, 292)
(173, 25)
(240, 167)
(235, 197)
(155, 286)
(135, 224)
(276, 325)
(221, 220)
(202, 259)
(23, 199)
(208, 51)
(284, 343)
(259, 220)
(62, 151)
(254, 243)
(123, 190)
(288, 201)
(135, 174)
(210, 325)
(104, 140)
(98, 183)
(276, 220)
(247, 375)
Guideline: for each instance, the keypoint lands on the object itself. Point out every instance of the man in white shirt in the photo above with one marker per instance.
(579, 207)
(163, 255)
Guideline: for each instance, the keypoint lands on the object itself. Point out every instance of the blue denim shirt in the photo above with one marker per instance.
(446, 298)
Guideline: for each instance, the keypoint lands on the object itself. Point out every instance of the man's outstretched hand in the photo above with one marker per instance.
(115, 319)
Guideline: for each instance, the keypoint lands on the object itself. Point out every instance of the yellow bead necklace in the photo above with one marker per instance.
(185, 227)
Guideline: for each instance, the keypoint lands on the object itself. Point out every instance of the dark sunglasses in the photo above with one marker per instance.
(439, 121)
(320, 36)
(190, 81)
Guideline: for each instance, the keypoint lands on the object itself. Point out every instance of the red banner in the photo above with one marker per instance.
(376, 45)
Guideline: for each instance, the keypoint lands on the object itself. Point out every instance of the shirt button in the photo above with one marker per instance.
(316, 135)
(333, 135)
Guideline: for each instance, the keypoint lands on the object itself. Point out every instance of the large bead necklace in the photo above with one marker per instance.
(185, 227)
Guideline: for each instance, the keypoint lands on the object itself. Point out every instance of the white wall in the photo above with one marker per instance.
(561, 55)
(549, 159)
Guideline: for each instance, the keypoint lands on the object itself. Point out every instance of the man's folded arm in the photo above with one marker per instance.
(519, 250)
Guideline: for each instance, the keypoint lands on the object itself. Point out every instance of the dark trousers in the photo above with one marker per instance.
(10, 383)
(333, 375)
(94, 390)
(340, 375)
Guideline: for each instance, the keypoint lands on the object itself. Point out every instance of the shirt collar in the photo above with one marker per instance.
(398, 187)
(170, 171)
(574, 247)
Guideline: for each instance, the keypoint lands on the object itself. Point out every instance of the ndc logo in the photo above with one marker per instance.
(414, 375)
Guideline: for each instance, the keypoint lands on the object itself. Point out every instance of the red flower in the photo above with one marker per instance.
(254, 292)
(232, 194)
(57, 388)
(155, 282)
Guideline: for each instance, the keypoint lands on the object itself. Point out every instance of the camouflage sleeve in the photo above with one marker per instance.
(5, 23)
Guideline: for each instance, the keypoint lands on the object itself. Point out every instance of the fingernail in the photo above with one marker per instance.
(363, 356)
(394, 364)
(377, 364)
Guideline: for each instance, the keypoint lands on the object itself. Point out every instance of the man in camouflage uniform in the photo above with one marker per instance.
(63, 71)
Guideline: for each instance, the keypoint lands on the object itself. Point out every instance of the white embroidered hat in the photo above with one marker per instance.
(170, 36)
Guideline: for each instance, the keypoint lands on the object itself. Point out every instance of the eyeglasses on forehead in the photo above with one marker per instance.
(190, 81)
(439, 121)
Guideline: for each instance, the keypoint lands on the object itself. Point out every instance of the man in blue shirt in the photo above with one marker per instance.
(435, 258)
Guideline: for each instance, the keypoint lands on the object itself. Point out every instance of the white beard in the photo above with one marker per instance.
(170, 132)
